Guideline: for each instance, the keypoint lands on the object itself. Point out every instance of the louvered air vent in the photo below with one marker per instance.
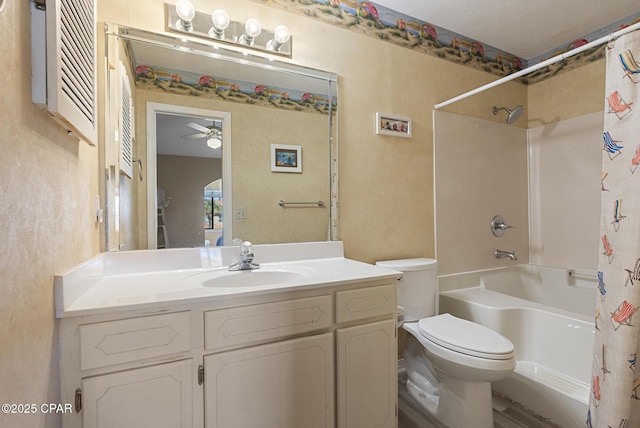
(126, 123)
(64, 64)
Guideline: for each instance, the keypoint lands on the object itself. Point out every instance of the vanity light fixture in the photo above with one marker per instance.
(182, 17)
(186, 11)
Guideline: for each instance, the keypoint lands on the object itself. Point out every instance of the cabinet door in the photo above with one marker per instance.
(156, 396)
(366, 360)
(281, 385)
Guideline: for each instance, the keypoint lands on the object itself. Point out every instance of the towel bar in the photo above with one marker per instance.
(318, 203)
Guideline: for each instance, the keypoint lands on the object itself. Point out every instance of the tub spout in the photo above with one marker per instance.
(500, 254)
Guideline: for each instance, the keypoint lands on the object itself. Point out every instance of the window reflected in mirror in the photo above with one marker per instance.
(213, 218)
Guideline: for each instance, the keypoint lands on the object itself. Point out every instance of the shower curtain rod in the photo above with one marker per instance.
(543, 64)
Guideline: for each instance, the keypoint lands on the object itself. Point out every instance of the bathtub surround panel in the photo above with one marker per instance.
(564, 189)
(564, 181)
(481, 171)
(615, 385)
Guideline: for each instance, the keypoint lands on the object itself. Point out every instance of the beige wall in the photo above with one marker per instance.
(258, 189)
(567, 95)
(184, 178)
(47, 185)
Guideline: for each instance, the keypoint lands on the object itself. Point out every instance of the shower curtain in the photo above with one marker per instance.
(615, 383)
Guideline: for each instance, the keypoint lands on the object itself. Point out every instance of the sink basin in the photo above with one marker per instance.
(250, 278)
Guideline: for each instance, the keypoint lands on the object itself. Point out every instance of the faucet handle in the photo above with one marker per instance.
(498, 226)
(246, 248)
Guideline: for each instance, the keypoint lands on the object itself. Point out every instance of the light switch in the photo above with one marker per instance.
(240, 213)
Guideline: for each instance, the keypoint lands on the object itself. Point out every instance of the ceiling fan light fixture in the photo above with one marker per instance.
(214, 143)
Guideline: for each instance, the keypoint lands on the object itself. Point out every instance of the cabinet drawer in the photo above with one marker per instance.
(364, 303)
(114, 342)
(250, 324)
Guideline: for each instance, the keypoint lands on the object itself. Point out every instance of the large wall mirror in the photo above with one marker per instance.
(204, 145)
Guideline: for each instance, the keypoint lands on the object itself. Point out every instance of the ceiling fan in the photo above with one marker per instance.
(212, 133)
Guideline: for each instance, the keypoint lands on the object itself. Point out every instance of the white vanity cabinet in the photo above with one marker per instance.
(320, 357)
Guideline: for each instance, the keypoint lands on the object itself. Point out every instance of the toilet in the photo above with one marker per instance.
(450, 362)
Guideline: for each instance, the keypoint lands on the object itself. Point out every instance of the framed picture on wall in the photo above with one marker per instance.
(397, 126)
(286, 158)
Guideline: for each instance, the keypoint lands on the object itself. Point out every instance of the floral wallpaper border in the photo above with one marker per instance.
(390, 26)
(149, 77)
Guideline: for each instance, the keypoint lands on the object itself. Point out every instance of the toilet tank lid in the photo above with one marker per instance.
(407, 265)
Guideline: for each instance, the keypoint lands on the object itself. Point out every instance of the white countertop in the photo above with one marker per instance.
(112, 282)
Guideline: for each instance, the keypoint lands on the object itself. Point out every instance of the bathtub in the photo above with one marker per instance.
(548, 315)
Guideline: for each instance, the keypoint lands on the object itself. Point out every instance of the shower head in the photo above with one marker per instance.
(514, 114)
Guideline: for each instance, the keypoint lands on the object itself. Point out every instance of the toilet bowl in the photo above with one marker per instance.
(450, 362)
(450, 365)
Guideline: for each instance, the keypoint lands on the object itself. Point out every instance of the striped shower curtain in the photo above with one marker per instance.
(615, 382)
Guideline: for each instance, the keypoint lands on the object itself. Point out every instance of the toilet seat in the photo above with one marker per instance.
(465, 337)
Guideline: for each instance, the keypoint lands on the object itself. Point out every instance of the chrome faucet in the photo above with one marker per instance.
(246, 258)
(500, 254)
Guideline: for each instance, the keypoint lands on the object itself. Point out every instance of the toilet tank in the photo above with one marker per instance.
(418, 289)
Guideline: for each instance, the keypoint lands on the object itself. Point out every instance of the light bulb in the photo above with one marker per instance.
(252, 29)
(186, 12)
(281, 36)
(220, 19)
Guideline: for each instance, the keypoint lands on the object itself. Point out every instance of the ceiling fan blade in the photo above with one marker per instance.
(194, 136)
(198, 127)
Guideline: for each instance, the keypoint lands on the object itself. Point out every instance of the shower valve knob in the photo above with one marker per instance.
(498, 226)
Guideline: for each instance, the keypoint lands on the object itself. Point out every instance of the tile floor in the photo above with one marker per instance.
(509, 415)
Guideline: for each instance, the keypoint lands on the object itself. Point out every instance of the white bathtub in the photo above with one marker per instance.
(548, 315)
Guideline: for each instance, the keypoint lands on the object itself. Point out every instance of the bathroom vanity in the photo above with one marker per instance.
(171, 338)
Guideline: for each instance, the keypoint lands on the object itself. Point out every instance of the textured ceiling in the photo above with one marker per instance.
(526, 28)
